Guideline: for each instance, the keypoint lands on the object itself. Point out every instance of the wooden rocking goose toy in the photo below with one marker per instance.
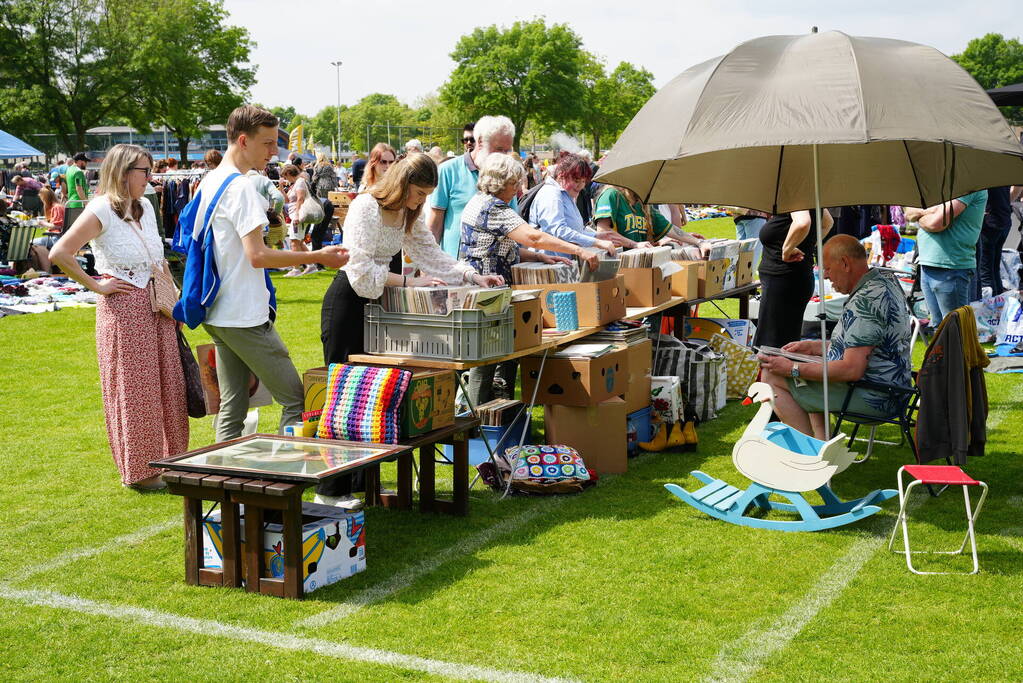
(781, 457)
(781, 460)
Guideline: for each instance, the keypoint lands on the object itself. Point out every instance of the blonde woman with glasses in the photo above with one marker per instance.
(137, 349)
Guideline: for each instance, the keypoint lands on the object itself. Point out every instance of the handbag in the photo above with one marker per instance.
(311, 210)
(163, 293)
(195, 397)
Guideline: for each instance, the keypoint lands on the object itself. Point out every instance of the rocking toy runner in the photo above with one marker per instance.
(784, 461)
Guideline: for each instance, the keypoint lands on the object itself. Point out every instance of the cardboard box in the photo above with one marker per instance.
(577, 381)
(333, 545)
(666, 399)
(637, 391)
(598, 432)
(598, 303)
(744, 271)
(712, 277)
(528, 329)
(686, 283)
(646, 287)
(429, 402)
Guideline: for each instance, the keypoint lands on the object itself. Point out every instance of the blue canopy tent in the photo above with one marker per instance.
(13, 148)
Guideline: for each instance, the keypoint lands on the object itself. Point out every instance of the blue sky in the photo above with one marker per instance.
(403, 48)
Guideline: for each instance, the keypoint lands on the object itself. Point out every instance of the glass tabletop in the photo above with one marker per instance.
(280, 457)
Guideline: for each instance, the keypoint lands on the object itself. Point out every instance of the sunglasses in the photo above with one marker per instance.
(468, 141)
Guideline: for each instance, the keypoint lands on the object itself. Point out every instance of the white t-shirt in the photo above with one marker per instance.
(243, 299)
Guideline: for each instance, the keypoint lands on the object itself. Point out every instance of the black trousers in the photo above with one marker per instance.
(319, 231)
(341, 330)
(782, 303)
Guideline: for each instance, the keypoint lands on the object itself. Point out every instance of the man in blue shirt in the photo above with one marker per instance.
(457, 180)
(948, 251)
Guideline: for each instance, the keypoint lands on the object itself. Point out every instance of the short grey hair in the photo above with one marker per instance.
(489, 126)
(499, 171)
(413, 145)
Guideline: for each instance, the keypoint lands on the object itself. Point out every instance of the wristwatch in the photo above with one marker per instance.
(795, 371)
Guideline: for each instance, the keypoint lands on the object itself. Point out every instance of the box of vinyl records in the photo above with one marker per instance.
(577, 380)
(598, 303)
(528, 330)
(686, 282)
(744, 271)
(646, 287)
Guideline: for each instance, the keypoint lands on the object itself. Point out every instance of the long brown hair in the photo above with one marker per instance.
(113, 178)
(393, 190)
(372, 173)
(632, 198)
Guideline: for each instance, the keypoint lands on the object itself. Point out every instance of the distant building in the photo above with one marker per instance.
(162, 144)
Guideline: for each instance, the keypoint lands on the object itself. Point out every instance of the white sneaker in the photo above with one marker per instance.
(309, 269)
(346, 502)
(294, 272)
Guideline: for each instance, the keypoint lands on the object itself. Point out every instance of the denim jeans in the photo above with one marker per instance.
(945, 289)
(749, 228)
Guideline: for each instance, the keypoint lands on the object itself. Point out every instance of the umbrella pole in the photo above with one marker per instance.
(821, 315)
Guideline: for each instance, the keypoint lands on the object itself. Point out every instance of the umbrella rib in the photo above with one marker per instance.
(916, 178)
(657, 175)
(777, 180)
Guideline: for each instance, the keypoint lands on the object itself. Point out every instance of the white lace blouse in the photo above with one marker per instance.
(120, 253)
(371, 245)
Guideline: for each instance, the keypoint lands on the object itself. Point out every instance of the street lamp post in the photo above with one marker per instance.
(338, 65)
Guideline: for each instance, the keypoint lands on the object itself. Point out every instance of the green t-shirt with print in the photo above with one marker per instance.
(630, 220)
(75, 178)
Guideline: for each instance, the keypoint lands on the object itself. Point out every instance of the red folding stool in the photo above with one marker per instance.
(948, 475)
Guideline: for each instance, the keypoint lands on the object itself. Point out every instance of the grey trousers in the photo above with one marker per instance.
(259, 351)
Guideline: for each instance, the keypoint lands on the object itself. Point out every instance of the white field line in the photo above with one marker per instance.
(273, 639)
(742, 658)
(410, 575)
(134, 537)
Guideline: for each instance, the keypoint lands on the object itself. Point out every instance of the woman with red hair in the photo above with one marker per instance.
(554, 208)
(380, 159)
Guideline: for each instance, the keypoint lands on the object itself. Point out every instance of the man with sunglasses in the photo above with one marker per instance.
(468, 141)
(457, 179)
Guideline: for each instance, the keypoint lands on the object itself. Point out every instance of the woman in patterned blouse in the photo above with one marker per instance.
(491, 235)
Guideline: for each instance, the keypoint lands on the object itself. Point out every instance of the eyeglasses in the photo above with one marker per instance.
(145, 169)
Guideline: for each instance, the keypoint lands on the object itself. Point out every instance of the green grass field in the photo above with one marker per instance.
(623, 582)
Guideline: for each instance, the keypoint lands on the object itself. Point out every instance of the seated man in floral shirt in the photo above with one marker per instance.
(870, 342)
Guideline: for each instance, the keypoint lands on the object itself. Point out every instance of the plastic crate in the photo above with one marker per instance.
(638, 428)
(460, 335)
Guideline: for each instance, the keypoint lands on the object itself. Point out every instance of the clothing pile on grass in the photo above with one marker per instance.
(699, 213)
(41, 294)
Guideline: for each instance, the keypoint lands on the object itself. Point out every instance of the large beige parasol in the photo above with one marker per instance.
(786, 123)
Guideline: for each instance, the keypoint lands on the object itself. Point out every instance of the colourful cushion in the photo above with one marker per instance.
(363, 403)
(546, 463)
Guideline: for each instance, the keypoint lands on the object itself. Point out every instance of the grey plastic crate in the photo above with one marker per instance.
(459, 335)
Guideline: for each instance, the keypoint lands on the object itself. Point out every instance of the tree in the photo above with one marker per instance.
(994, 62)
(370, 119)
(528, 72)
(192, 68)
(285, 114)
(610, 102)
(70, 60)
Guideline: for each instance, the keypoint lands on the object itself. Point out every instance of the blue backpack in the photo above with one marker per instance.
(201, 281)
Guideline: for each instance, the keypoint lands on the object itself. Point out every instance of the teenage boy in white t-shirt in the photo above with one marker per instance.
(239, 319)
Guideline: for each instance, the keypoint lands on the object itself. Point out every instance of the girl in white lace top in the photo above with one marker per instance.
(136, 348)
(380, 223)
